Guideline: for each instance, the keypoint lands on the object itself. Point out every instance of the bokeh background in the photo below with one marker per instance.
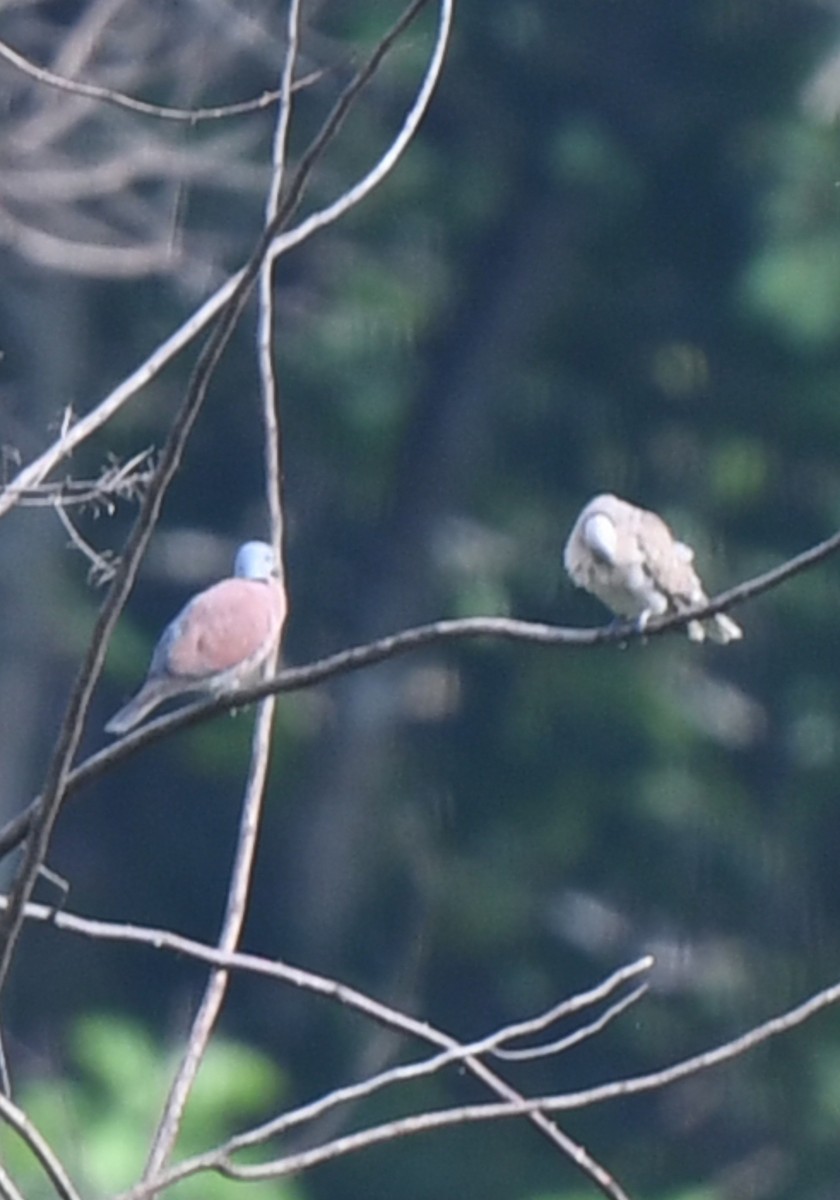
(610, 261)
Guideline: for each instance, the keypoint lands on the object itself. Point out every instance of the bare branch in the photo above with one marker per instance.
(265, 317)
(234, 919)
(26, 1130)
(327, 216)
(453, 1051)
(579, 1035)
(101, 567)
(509, 629)
(70, 734)
(118, 481)
(500, 628)
(37, 471)
(183, 947)
(371, 653)
(240, 883)
(445, 1118)
(32, 475)
(192, 116)
(8, 1191)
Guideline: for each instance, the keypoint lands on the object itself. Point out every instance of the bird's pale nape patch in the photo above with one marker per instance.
(629, 558)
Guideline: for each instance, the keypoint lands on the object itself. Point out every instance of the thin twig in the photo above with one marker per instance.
(94, 91)
(589, 1030)
(343, 105)
(33, 474)
(37, 1143)
(326, 216)
(265, 316)
(271, 242)
(219, 1161)
(100, 569)
(183, 947)
(240, 882)
(634, 1086)
(453, 1050)
(446, 1118)
(118, 481)
(8, 1191)
(36, 471)
(234, 919)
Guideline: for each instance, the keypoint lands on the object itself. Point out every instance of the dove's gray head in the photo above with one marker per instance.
(255, 560)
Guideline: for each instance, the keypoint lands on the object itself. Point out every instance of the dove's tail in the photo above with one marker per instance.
(720, 628)
(723, 629)
(151, 694)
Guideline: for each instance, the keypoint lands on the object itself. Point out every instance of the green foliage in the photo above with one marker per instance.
(99, 1116)
(584, 154)
(796, 286)
(792, 280)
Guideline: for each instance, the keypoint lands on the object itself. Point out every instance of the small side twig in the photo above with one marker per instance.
(101, 568)
(549, 1049)
(95, 91)
(117, 481)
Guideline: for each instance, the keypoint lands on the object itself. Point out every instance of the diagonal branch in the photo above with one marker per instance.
(357, 657)
(271, 242)
(36, 471)
(452, 1051)
(219, 1160)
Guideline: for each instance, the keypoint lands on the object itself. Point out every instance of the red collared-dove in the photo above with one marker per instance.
(219, 640)
(629, 558)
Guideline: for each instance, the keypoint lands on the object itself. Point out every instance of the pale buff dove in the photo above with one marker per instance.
(629, 558)
(219, 640)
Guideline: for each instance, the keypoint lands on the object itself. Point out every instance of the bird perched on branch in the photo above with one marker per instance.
(219, 640)
(629, 558)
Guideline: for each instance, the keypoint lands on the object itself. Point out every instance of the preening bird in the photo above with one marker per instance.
(629, 558)
(219, 640)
